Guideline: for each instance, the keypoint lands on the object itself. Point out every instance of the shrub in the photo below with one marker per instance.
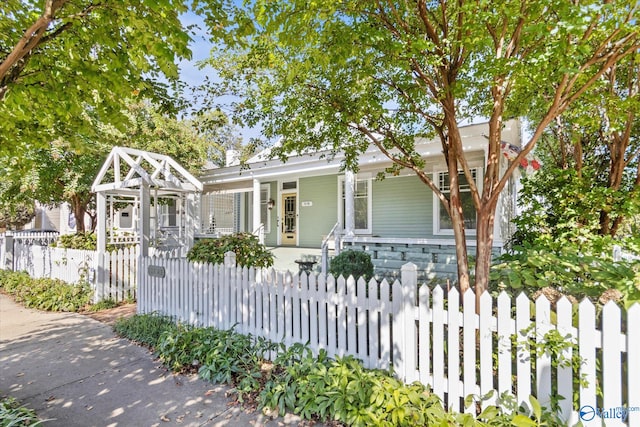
(352, 263)
(45, 294)
(12, 414)
(314, 386)
(249, 251)
(570, 272)
(86, 241)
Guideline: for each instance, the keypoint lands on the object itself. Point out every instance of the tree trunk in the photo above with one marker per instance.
(484, 242)
(455, 209)
(79, 209)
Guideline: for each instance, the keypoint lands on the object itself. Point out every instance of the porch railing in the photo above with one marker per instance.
(334, 235)
(260, 233)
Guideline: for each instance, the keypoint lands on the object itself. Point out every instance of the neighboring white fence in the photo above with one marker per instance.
(119, 281)
(423, 335)
(114, 276)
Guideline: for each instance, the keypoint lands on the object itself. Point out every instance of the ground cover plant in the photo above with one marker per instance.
(44, 293)
(12, 414)
(313, 386)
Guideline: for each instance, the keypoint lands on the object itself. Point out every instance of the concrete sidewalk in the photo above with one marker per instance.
(77, 372)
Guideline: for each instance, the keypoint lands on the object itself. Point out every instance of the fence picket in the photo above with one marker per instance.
(454, 392)
(486, 349)
(351, 318)
(314, 315)
(471, 326)
(633, 367)
(503, 344)
(438, 319)
(397, 330)
(612, 343)
(424, 337)
(341, 316)
(332, 321)
(523, 357)
(587, 342)
(296, 294)
(564, 377)
(543, 359)
(386, 347)
(362, 324)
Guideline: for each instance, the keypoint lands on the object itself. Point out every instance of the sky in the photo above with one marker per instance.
(190, 71)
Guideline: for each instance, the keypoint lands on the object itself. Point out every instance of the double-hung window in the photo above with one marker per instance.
(361, 205)
(443, 223)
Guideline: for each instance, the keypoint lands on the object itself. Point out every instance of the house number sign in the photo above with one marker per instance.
(156, 271)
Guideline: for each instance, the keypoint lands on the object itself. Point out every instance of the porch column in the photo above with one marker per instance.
(145, 219)
(349, 204)
(191, 209)
(101, 226)
(256, 211)
(101, 243)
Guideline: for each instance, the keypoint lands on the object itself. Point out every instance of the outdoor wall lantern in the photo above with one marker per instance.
(270, 204)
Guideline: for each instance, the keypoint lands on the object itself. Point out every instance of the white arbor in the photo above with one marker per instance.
(149, 182)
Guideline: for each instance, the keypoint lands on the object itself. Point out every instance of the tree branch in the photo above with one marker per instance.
(31, 38)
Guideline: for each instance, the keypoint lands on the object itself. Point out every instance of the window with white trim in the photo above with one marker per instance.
(362, 205)
(168, 211)
(443, 223)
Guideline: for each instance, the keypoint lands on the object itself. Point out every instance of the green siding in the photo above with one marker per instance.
(402, 207)
(317, 220)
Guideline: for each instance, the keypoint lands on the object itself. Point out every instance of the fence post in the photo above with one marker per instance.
(403, 334)
(8, 251)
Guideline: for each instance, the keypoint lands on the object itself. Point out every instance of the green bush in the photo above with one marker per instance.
(145, 329)
(14, 415)
(45, 294)
(86, 241)
(249, 251)
(598, 277)
(352, 263)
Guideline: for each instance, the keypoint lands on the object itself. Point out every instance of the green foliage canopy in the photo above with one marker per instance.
(64, 62)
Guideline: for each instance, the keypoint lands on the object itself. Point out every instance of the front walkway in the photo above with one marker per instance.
(74, 370)
(285, 257)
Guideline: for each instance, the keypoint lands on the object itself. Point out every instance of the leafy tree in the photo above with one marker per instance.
(64, 173)
(16, 211)
(352, 73)
(65, 62)
(585, 200)
(598, 138)
(214, 125)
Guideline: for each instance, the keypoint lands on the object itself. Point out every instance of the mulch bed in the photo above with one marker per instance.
(110, 315)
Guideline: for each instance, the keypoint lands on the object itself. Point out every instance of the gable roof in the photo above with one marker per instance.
(128, 168)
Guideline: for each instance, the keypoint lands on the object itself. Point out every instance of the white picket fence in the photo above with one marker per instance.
(427, 336)
(118, 281)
